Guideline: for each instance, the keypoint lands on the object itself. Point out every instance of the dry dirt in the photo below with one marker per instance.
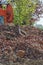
(21, 49)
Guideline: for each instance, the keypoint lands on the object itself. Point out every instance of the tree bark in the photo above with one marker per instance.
(19, 31)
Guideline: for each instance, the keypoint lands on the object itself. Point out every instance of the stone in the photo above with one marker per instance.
(21, 53)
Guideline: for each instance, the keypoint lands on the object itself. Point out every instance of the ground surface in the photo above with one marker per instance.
(21, 49)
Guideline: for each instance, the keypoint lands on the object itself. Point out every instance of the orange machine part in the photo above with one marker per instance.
(3, 13)
(7, 14)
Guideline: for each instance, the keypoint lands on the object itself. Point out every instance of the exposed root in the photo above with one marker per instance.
(22, 33)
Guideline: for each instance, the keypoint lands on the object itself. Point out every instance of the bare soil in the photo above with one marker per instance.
(21, 49)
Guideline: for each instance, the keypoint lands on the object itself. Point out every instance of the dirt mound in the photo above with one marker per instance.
(10, 44)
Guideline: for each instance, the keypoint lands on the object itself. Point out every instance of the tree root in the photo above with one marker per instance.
(22, 33)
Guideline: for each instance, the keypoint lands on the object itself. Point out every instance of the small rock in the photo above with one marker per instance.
(21, 53)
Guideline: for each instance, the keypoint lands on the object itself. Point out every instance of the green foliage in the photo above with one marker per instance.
(23, 10)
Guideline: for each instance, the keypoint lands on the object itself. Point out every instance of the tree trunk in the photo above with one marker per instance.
(17, 30)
